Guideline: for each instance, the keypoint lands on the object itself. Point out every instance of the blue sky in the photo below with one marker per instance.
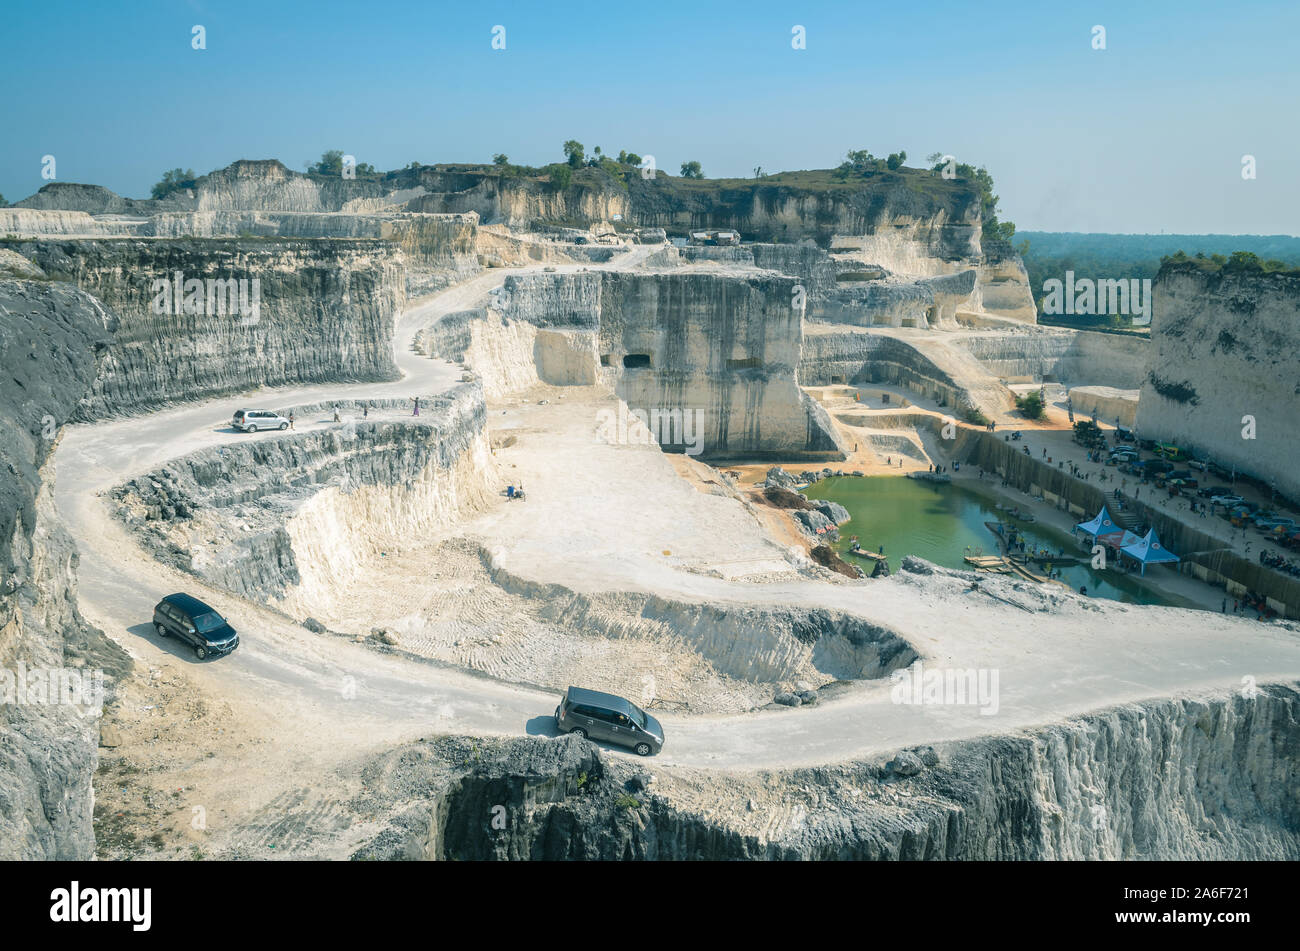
(1146, 135)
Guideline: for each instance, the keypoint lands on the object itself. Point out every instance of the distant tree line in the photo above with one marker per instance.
(1138, 256)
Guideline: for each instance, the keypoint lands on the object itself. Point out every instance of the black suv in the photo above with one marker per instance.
(200, 626)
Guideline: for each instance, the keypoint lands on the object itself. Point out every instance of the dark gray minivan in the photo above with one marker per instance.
(610, 719)
(200, 626)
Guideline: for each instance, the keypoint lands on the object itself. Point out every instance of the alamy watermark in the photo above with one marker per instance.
(213, 297)
(1128, 297)
(947, 686)
(664, 427)
(81, 689)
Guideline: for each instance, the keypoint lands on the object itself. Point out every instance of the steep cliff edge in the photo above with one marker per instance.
(1166, 779)
(1223, 375)
(51, 337)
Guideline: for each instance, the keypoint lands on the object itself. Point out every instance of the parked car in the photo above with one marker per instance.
(1126, 435)
(1200, 464)
(1268, 523)
(202, 627)
(1227, 500)
(251, 420)
(1154, 466)
(1210, 491)
(610, 719)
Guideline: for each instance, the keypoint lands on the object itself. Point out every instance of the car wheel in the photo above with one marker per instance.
(200, 652)
(578, 732)
(642, 749)
(284, 425)
(162, 631)
(250, 429)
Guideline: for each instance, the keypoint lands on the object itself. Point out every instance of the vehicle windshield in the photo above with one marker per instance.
(208, 622)
(638, 715)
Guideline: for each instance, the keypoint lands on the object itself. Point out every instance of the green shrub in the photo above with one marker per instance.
(1030, 405)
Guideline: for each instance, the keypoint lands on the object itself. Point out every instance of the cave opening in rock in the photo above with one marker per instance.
(634, 360)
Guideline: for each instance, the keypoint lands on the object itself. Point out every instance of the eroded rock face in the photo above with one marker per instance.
(1176, 779)
(325, 312)
(1224, 347)
(50, 338)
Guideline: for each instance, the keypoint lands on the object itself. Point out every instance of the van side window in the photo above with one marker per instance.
(600, 713)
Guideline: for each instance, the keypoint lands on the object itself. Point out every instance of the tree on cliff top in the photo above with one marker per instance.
(692, 170)
(994, 230)
(574, 151)
(173, 180)
(331, 163)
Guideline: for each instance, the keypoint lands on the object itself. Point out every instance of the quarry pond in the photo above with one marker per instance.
(942, 523)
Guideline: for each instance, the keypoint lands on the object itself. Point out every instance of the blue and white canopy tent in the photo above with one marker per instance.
(1149, 551)
(1103, 524)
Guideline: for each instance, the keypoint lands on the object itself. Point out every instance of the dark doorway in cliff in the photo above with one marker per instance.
(604, 359)
(747, 363)
(634, 360)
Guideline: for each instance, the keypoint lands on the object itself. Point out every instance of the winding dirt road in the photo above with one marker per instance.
(329, 698)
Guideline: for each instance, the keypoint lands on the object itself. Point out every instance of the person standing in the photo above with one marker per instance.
(417, 407)
(291, 426)
(365, 410)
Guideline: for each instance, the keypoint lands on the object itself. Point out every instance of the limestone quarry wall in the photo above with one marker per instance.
(849, 357)
(1003, 289)
(1165, 779)
(49, 340)
(1106, 403)
(725, 346)
(1071, 357)
(1224, 347)
(327, 311)
(291, 519)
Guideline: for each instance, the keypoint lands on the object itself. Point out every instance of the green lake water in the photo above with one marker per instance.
(940, 522)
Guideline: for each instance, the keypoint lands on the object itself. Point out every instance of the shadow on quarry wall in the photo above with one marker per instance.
(1164, 779)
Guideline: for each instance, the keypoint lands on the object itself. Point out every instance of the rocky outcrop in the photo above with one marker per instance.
(326, 312)
(51, 337)
(1223, 376)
